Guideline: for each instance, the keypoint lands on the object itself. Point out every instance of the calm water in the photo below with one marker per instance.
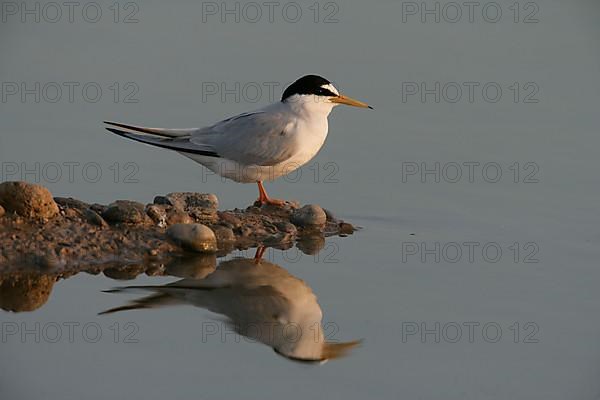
(475, 275)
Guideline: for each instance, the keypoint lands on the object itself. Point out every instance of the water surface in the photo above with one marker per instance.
(516, 254)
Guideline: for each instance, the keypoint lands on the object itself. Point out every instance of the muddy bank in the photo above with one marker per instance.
(61, 234)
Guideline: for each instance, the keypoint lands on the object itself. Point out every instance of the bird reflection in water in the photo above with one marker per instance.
(261, 300)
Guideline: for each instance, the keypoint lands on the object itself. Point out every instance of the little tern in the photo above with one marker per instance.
(256, 146)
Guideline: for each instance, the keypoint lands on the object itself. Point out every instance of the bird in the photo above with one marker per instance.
(256, 146)
(260, 300)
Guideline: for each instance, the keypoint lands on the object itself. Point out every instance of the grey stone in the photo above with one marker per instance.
(126, 212)
(177, 216)
(194, 237)
(231, 219)
(330, 215)
(309, 216)
(99, 208)
(286, 227)
(346, 228)
(224, 234)
(158, 214)
(189, 200)
(203, 215)
(27, 200)
(94, 218)
(69, 202)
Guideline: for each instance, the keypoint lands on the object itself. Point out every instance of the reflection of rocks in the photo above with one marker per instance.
(131, 232)
(24, 291)
(311, 245)
(124, 272)
(27, 200)
(192, 267)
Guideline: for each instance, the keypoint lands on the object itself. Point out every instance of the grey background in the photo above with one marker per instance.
(171, 53)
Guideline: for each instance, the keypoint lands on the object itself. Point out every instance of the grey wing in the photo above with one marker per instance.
(259, 138)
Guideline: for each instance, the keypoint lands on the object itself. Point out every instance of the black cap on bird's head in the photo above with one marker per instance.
(309, 84)
(318, 86)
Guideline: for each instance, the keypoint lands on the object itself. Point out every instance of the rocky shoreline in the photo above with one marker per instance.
(64, 234)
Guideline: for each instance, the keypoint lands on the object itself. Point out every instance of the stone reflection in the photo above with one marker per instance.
(24, 291)
(261, 300)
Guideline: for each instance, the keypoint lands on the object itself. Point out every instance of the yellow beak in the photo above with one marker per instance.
(341, 99)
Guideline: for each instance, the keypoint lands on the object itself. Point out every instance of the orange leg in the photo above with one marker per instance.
(260, 251)
(263, 197)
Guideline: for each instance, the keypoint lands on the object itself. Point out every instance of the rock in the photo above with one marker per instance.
(27, 200)
(309, 216)
(286, 227)
(176, 216)
(330, 216)
(72, 213)
(201, 207)
(1, 211)
(99, 208)
(194, 237)
(125, 212)
(158, 214)
(244, 231)
(189, 200)
(203, 215)
(94, 218)
(278, 239)
(230, 218)
(224, 234)
(346, 228)
(69, 202)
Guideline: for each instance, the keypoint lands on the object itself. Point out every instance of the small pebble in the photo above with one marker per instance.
(286, 227)
(94, 218)
(69, 202)
(346, 228)
(330, 216)
(125, 211)
(176, 216)
(309, 215)
(187, 200)
(230, 219)
(194, 237)
(224, 234)
(158, 214)
(99, 208)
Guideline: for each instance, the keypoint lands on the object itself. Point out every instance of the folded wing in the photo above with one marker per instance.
(259, 138)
